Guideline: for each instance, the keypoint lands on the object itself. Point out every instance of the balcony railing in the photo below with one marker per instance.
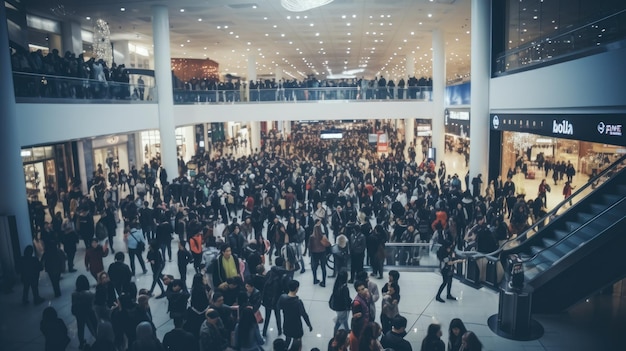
(291, 95)
(575, 43)
(33, 87)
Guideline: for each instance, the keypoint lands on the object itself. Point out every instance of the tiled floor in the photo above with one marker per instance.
(597, 325)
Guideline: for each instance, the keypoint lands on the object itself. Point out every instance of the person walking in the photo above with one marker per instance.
(389, 306)
(247, 335)
(53, 263)
(318, 243)
(82, 309)
(69, 241)
(136, 245)
(340, 301)
(294, 312)
(29, 269)
(156, 264)
(94, 256)
(446, 265)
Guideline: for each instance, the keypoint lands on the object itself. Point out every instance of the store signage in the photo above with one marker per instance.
(597, 128)
(610, 129)
(564, 127)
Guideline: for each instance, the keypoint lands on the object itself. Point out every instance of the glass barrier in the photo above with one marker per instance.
(606, 30)
(411, 255)
(420, 93)
(564, 205)
(32, 87)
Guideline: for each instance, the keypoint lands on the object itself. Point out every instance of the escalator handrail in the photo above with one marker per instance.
(524, 260)
(552, 213)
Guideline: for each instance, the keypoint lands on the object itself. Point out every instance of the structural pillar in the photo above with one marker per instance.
(12, 185)
(278, 74)
(479, 108)
(409, 133)
(410, 66)
(163, 77)
(71, 37)
(121, 54)
(439, 86)
(255, 135)
(251, 68)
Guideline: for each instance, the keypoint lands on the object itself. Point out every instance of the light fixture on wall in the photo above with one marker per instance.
(303, 5)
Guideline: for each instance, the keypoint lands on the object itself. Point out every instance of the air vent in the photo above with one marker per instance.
(250, 5)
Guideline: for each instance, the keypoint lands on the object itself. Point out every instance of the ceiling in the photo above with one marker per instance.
(376, 36)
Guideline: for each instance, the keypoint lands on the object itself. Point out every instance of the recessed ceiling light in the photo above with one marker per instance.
(249, 43)
(87, 18)
(275, 26)
(182, 10)
(254, 6)
(265, 18)
(353, 16)
(225, 27)
(182, 45)
(297, 17)
(430, 15)
(236, 36)
(219, 27)
(282, 35)
(291, 42)
(267, 35)
(199, 19)
(343, 16)
(122, 9)
(312, 25)
(231, 33)
(189, 41)
(317, 34)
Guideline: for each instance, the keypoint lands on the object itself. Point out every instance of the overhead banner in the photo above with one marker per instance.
(596, 128)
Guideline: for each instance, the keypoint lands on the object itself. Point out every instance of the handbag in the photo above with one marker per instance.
(259, 318)
(325, 241)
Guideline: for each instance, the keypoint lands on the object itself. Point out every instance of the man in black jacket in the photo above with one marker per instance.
(179, 339)
(120, 274)
(394, 339)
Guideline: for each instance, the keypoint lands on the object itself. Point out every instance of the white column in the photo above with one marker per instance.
(71, 37)
(255, 135)
(12, 185)
(479, 108)
(121, 54)
(163, 76)
(279, 74)
(409, 133)
(286, 128)
(82, 170)
(410, 66)
(251, 68)
(439, 86)
(55, 42)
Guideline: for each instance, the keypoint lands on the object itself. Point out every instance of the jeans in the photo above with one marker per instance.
(268, 316)
(342, 319)
(447, 281)
(131, 255)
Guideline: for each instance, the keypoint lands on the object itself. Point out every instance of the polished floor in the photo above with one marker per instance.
(595, 325)
(598, 324)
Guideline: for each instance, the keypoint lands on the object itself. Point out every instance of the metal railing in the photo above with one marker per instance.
(293, 95)
(34, 87)
(574, 42)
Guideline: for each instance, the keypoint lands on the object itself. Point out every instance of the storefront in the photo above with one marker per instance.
(112, 153)
(590, 142)
(186, 144)
(457, 129)
(47, 166)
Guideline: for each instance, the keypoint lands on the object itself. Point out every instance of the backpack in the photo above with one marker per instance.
(101, 231)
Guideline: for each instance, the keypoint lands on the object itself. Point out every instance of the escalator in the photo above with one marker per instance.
(578, 248)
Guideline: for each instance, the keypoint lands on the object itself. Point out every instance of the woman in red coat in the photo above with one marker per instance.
(93, 257)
